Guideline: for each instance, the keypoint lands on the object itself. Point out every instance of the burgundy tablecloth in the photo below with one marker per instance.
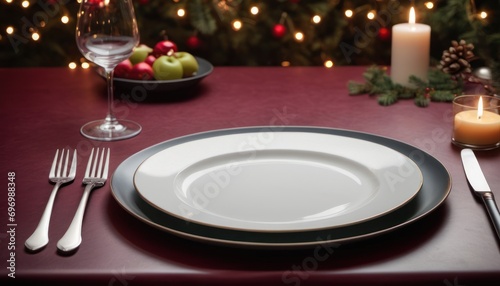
(42, 109)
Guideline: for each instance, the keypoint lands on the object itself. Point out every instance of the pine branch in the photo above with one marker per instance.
(201, 17)
(422, 101)
(358, 88)
(440, 87)
(388, 98)
(442, 95)
(404, 92)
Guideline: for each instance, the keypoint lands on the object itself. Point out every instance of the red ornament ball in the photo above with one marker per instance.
(384, 34)
(193, 42)
(279, 30)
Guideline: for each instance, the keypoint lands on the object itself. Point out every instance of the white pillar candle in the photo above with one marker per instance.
(410, 51)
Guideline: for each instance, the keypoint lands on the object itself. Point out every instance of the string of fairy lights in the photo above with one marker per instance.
(35, 33)
(65, 18)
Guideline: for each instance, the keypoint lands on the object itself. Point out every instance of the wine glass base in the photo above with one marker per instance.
(110, 131)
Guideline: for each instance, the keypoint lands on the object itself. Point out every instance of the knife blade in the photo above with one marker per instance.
(480, 186)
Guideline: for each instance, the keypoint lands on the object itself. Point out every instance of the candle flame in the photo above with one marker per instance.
(480, 108)
(412, 16)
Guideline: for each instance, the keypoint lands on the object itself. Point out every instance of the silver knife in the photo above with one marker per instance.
(478, 182)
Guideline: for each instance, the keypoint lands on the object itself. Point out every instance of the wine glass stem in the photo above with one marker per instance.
(110, 117)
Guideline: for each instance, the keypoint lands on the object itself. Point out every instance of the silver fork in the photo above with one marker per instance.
(58, 175)
(95, 176)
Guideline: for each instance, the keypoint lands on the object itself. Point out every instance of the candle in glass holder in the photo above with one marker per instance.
(410, 50)
(476, 127)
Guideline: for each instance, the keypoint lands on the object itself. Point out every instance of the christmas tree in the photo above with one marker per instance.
(258, 32)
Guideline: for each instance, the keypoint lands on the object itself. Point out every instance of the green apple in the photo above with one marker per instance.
(167, 68)
(189, 63)
(139, 54)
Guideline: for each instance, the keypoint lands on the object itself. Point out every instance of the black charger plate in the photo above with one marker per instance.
(435, 189)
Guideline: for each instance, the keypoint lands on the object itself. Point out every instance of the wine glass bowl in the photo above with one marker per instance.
(106, 34)
(107, 51)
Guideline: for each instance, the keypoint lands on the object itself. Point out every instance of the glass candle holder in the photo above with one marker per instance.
(476, 122)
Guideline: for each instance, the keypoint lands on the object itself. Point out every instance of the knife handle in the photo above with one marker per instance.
(491, 206)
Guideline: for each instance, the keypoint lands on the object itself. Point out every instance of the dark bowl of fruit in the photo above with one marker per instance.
(160, 69)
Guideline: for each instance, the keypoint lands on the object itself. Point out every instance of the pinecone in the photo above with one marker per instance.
(455, 60)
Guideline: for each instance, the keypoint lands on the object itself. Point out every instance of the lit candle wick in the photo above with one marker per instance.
(412, 16)
(480, 108)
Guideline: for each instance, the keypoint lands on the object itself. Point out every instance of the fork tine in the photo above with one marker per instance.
(99, 170)
(93, 173)
(72, 170)
(106, 166)
(65, 171)
(59, 166)
(52, 172)
(87, 171)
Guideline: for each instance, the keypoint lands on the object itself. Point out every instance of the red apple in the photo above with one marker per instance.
(150, 60)
(123, 69)
(142, 71)
(167, 68)
(164, 48)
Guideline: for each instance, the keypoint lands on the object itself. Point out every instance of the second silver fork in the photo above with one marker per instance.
(95, 176)
(58, 175)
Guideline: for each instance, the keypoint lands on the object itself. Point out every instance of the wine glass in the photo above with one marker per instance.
(106, 34)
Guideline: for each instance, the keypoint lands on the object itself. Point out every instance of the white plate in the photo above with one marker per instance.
(277, 181)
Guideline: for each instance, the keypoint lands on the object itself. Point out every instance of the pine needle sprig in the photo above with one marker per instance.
(356, 88)
(388, 98)
(441, 87)
(422, 101)
(376, 81)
